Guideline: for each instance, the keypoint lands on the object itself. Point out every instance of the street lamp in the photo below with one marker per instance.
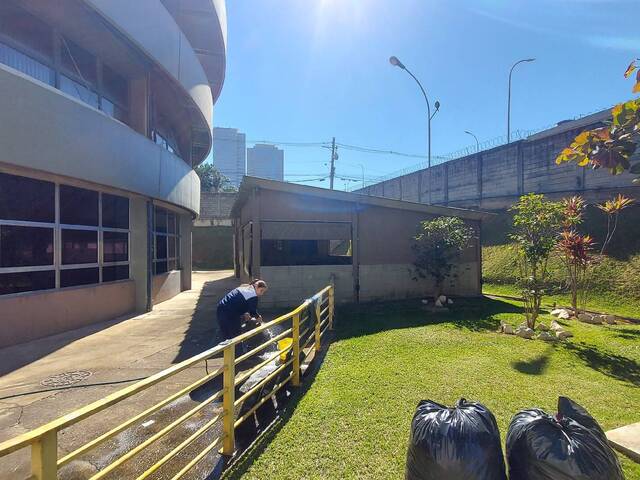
(509, 96)
(477, 143)
(397, 63)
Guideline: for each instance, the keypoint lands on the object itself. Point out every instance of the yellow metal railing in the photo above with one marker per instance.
(307, 331)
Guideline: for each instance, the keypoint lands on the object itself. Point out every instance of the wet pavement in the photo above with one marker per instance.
(47, 378)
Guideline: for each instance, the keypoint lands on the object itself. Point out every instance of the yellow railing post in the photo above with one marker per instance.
(332, 306)
(44, 457)
(228, 400)
(295, 333)
(318, 321)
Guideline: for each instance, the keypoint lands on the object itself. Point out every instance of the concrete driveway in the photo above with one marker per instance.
(46, 378)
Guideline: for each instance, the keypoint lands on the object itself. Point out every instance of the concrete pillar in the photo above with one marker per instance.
(138, 249)
(186, 226)
(139, 105)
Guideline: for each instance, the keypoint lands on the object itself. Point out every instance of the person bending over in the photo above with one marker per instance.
(238, 306)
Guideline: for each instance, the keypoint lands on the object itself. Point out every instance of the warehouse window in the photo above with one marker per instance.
(60, 235)
(276, 253)
(166, 252)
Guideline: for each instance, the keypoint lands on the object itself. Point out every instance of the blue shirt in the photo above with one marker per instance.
(238, 302)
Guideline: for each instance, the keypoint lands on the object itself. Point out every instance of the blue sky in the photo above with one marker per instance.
(308, 70)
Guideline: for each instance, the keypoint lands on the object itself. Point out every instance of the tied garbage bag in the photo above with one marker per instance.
(568, 446)
(461, 442)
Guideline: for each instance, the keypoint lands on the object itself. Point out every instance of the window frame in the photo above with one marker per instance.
(58, 227)
(177, 234)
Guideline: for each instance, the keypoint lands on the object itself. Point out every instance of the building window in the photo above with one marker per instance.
(56, 236)
(276, 253)
(166, 252)
(166, 141)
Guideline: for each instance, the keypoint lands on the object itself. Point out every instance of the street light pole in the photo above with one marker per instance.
(509, 96)
(477, 143)
(397, 63)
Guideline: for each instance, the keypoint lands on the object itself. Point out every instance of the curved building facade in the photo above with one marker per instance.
(106, 107)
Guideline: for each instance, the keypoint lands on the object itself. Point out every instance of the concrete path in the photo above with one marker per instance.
(104, 358)
(626, 440)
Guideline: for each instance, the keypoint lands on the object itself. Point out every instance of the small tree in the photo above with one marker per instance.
(211, 180)
(437, 245)
(536, 225)
(612, 209)
(611, 146)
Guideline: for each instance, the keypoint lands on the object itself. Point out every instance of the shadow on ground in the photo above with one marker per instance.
(535, 366)
(474, 314)
(610, 364)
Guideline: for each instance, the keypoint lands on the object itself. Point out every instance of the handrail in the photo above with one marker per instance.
(43, 440)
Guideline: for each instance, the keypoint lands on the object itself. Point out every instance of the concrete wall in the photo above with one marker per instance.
(212, 248)
(215, 209)
(32, 315)
(47, 130)
(494, 179)
(289, 286)
(165, 286)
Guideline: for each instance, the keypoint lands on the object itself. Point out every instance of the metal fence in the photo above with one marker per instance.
(309, 324)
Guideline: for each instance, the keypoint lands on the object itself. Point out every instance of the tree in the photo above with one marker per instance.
(437, 245)
(613, 145)
(211, 180)
(536, 225)
(612, 209)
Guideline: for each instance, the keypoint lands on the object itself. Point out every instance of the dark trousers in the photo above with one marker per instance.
(230, 325)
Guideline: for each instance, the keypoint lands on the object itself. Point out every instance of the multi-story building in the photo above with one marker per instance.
(230, 153)
(106, 107)
(265, 161)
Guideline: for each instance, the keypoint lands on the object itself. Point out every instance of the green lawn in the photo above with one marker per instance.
(353, 421)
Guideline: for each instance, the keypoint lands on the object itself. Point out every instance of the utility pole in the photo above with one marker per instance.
(334, 157)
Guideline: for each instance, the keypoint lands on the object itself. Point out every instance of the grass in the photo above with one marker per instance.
(353, 420)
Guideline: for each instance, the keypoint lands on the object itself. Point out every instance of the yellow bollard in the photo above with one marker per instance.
(228, 399)
(295, 380)
(44, 457)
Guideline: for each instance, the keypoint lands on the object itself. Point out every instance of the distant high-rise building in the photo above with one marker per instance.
(265, 161)
(230, 153)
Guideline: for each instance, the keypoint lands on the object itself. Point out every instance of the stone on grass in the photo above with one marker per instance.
(564, 314)
(425, 301)
(543, 327)
(563, 334)
(610, 319)
(546, 336)
(589, 318)
(438, 303)
(449, 301)
(506, 328)
(442, 299)
(556, 311)
(555, 326)
(525, 333)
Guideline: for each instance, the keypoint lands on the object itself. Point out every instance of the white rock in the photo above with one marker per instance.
(438, 303)
(564, 315)
(543, 327)
(555, 325)
(525, 332)
(556, 311)
(610, 319)
(425, 301)
(563, 334)
(508, 329)
(442, 299)
(546, 336)
(449, 301)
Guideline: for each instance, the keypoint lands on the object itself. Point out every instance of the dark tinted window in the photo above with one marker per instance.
(78, 206)
(161, 246)
(115, 246)
(305, 252)
(161, 220)
(78, 276)
(115, 211)
(160, 267)
(116, 87)
(23, 198)
(115, 272)
(26, 29)
(79, 246)
(78, 62)
(171, 222)
(25, 246)
(172, 247)
(26, 281)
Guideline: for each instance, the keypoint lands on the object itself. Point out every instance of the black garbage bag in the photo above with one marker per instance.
(568, 446)
(461, 442)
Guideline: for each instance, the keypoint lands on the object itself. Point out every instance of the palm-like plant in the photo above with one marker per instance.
(612, 209)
